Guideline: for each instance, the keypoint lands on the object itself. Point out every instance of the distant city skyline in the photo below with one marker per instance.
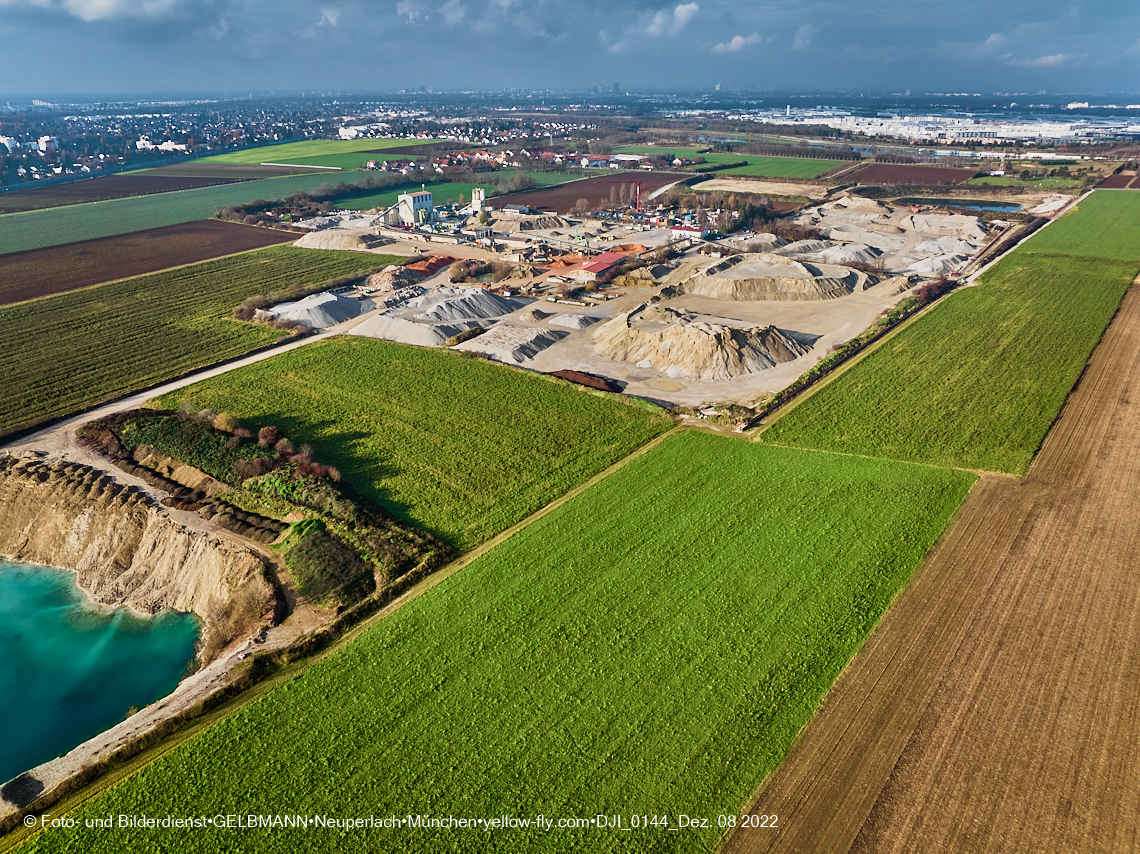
(103, 47)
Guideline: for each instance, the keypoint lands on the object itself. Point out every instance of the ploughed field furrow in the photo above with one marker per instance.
(996, 706)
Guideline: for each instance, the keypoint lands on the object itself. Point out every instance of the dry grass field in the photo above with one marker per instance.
(995, 708)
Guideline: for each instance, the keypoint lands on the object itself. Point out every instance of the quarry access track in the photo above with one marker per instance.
(995, 707)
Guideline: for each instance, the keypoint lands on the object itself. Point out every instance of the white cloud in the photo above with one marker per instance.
(736, 43)
(329, 16)
(802, 39)
(101, 10)
(1044, 61)
(672, 23)
(453, 12)
(413, 10)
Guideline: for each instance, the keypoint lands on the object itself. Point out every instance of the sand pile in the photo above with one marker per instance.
(428, 320)
(320, 311)
(683, 345)
(574, 321)
(765, 276)
(448, 304)
(338, 238)
(512, 344)
(392, 278)
(534, 314)
(390, 326)
(939, 264)
(764, 243)
(946, 225)
(1050, 206)
(946, 246)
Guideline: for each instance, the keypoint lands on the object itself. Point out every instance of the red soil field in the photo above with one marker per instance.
(995, 708)
(596, 191)
(896, 173)
(1120, 182)
(42, 272)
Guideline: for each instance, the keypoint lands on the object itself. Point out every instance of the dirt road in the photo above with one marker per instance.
(997, 706)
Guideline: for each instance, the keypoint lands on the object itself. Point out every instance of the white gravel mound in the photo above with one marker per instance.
(320, 311)
(393, 327)
(448, 304)
(574, 321)
(939, 264)
(512, 344)
(339, 238)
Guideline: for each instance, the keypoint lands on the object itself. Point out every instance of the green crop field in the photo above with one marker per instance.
(782, 167)
(460, 447)
(651, 648)
(299, 152)
(978, 381)
(51, 227)
(1105, 225)
(63, 353)
(758, 166)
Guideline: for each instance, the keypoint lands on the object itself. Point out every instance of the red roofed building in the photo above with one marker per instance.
(590, 271)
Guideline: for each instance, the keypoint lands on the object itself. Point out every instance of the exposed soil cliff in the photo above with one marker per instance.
(124, 548)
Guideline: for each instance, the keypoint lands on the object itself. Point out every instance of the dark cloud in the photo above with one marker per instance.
(247, 45)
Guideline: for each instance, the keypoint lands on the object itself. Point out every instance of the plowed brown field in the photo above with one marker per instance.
(996, 708)
(40, 272)
(596, 191)
(899, 173)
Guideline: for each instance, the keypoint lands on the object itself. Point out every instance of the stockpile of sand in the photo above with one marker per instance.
(391, 278)
(766, 276)
(946, 225)
(939, 264)
(534, 314)
(830, 252)
(391, 326)
(682, 345)
(338, 238)
(946, 246)
(428, 320)
(449, 304)
(512, 344)
(574, 321)
(320, 311)
(763, 243)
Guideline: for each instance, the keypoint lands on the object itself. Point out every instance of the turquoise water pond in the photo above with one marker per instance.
(69, 670)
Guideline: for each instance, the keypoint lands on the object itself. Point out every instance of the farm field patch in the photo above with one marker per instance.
(757, 166)
(42, 272)
(1104, 225)
(104, 188)
(596, 191)
(443, 193)
(978, 381)
(1019, 631)
(460, 447)
(897, 173)
(598, 662)
(236, 171)
(42, 228)
(63, 353)
(289, 152)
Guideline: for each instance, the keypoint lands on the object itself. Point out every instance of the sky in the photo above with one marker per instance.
(60, 47)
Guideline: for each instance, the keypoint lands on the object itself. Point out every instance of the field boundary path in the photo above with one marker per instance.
(995, 707)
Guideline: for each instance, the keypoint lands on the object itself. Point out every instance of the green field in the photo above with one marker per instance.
(651, 648)
(461, 447)
(63, 353)
(1105, 225)
(51, 227)
(306, 150)
(782, 167)
(1054, 183)
(758, 167)
(978, 381)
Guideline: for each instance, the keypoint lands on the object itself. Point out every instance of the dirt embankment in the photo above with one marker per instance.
(125, 549)
(994, 709)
